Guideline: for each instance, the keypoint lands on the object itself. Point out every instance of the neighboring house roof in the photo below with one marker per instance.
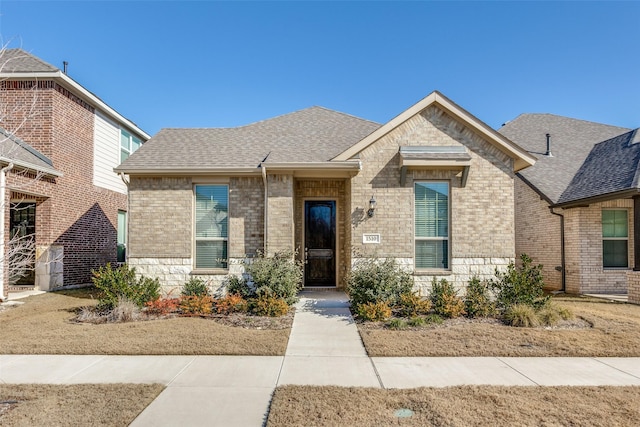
(312, 135)
(571, 141)
(612, 168)
(16, 151)
(17, 64)
(522, 159)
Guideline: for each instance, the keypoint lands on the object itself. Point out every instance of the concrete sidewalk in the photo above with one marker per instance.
(324, 349)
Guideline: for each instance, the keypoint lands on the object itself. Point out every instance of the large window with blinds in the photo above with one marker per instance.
(211, 228)
(615, 238)
(431, 225)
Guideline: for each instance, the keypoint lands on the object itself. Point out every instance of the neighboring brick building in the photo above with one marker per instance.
(433, 188)
(577, 209)
(67, 193)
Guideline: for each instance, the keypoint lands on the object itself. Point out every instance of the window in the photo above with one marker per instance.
(128, 144)
(212, 221)
(615, 237)
(122, 236)
(431, 225)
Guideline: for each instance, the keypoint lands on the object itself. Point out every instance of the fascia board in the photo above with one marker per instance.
(74, 86)
(30, 166)
(416, 163)
(622, 194)
(183, 172)
(334, 165)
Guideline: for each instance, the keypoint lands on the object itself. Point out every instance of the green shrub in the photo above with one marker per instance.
(397, 324)
(412, 304)
(477, 301)
(373, 280)
(445, 299)
(122, 283)
(269, 305)
(522, 315)
(236, 285)
(416, 322)
(373, 311)
(279, 275)
(433, 319)
(520, 285)
(195, 287)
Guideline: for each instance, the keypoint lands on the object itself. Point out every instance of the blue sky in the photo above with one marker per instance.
(222, 64)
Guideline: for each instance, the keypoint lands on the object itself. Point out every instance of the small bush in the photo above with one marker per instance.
(397, 324)
(373, 311)
(280, 274)
(522, 315)
(374, 281)
(520, 285)
(477, 301)
(124, 311)
(195, 287)
(268, 305)
(196, 304)
(232, 303)
(162, 306)
(445, 299)
(238, 286)
(412, 304)
(552, 314)
(434, 319)
(122, 283)
(416, 322)
(565, 312)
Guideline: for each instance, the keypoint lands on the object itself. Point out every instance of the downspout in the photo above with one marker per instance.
(562, 250)
(266, 206)
(126, 181)
(3, 185)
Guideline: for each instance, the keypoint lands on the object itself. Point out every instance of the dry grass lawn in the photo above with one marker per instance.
(42, 326)
(456, 406)
(74, 405)
(614, 331)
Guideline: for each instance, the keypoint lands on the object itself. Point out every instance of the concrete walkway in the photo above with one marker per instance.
(324, 349)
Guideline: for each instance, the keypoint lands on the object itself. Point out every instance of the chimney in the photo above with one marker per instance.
(548, 153)
(64, 66)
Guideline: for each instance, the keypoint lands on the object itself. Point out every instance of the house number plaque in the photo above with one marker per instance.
(371, 238)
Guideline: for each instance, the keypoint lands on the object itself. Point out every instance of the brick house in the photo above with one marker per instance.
(60, 144)
(432, 188)
(578, 208)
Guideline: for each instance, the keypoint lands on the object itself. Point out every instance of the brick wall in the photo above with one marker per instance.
(538, 233)
(482, 212)
(76, 215)
(633, 283)
(280, 224)
(246, 213)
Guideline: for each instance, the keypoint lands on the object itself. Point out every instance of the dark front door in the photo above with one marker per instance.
(320, 243)
(21, 250)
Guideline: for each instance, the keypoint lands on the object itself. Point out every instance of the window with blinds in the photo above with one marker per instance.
(211, 228)
(615, 238)
(431, 225)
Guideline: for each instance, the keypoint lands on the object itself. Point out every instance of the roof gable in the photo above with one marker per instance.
(522, 158)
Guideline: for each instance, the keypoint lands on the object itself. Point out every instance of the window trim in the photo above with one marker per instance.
(603, 239)
(435, 270)
(129, 149)
(125, 232)
(214, 270)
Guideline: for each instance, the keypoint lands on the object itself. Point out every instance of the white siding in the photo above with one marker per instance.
(106, 155)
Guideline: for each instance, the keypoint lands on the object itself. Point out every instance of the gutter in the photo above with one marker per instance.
(3, 209)
(563, 263)
(30, 166)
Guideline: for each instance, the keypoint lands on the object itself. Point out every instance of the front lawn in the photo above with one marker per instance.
(43, 325)
(610, 330)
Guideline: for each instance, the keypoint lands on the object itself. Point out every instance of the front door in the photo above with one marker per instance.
(21, 249)
(320, 243)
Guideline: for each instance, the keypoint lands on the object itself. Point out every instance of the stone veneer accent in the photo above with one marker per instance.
(633, 285)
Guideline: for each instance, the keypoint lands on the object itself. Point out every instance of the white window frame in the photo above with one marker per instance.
(626, 239)
(436, 239)
(224, 264)
(129, 149)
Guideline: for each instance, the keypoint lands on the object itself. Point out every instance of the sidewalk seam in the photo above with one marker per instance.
(86, 367)
(514, 369)
(616, 368)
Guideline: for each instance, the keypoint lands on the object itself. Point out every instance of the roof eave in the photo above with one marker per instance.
(188, 171)
(622, 194)
(31, 167)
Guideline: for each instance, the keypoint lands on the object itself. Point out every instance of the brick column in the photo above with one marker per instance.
(280, 223)
(636, 233)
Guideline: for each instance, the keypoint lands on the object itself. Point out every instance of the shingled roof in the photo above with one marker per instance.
(314, 134)
(15, 150)
(571, 143)
(20, 61)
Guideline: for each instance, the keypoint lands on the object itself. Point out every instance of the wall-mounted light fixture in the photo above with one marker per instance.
(372, 206)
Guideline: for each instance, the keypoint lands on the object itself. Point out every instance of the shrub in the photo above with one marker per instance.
(373, 311)
(374, 281)
(417, 322)
(522, 315)
(195, 287)
(412, 304)
(280, 275)
(238, 286)
(397, 323)
(269, 305)
(124, 311)
(433, 319)
(122, 283)
(162, 306)
(231, 303)
(520, 285)
(196, 304)
(445, 299)
(477, 301)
